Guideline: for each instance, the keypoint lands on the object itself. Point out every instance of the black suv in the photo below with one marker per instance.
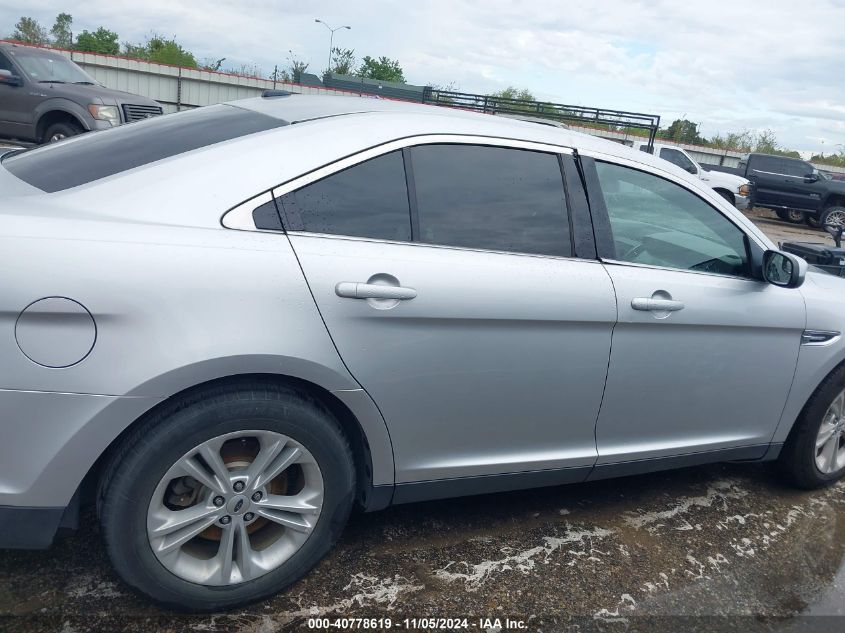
(793, 188)
(45, 97)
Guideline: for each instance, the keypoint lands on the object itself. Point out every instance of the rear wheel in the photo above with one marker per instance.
(814, 453)
(60, 131)
(228, 498)
(795, 216)
(782, 214)
(813, 220)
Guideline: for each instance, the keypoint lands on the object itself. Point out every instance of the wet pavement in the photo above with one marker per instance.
(721, 547)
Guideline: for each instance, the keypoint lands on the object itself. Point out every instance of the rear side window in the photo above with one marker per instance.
(491, 198)
(97, 155)
(769, 163)
(367, 200)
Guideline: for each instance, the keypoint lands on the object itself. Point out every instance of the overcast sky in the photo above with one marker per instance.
(728, 65)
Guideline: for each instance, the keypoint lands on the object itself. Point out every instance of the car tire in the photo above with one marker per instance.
(813, 221)
(802, 461)
(795, 216)
(146, 457)
(832, 215)
(60, 131)
(782, 214)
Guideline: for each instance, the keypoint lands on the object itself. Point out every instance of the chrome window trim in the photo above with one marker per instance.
(240, 218)
(412, 141)
(375, 240)
(619, 262)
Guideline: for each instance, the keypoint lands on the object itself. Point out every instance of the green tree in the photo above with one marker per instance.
(295, 67)
(683, 131)
(514, 93)
(164, 51)
(62, 35)
(29, 31)
(100, 41)
(161, 50)
(343, 61)
(383, 69)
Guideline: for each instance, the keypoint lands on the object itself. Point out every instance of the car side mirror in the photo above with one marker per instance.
(835, 231)
(6, 77)
(783, 269)
(811, 178)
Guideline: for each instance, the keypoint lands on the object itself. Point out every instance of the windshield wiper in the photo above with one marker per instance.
(87, 83)
(52, 81)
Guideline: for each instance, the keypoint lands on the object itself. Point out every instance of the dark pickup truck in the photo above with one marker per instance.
(793, 188)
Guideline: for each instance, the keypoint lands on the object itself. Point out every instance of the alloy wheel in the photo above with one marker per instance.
(235, 507)
(830, 441)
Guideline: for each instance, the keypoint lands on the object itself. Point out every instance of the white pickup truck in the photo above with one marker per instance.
(734, 189)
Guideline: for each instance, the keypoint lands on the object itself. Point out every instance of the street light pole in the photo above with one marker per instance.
(331, 37)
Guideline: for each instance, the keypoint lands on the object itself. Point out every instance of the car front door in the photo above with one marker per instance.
(703, 354)
(770, 178)
(800, 189)
(446, 276)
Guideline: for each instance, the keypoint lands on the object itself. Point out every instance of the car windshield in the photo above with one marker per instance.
(42, 66)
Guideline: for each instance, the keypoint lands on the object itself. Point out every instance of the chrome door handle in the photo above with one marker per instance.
(656, 305)
(358, 290)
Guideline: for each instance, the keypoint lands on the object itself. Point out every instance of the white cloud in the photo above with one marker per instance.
(729, 65)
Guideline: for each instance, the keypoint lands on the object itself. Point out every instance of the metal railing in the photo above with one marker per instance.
(600, 118)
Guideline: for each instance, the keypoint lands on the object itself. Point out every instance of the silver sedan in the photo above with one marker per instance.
(229, 326)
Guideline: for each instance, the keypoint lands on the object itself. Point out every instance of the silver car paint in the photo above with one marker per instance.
(434, 364)
(179, 299)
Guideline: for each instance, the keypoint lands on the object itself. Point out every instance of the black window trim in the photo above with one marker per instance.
(581, 232)
(605, 246)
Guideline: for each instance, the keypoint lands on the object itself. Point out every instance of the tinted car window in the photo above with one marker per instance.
(491, 198)
(676, 158)
(798, 169)
(769, 163)
(367, 200)
(656, 222)
(96, 155)
(5, 64)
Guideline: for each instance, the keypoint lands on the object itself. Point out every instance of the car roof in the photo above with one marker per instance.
(298, 108)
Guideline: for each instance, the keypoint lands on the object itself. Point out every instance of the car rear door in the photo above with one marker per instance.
(703, 354)
(447, 277)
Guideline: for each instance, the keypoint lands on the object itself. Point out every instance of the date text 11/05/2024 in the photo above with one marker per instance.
(446, 624)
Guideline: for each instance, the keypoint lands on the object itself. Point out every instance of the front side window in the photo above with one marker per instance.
(5, 64)
(677, 158)
(656, 222)
(369, 199)
(799, 169)
(491, 198)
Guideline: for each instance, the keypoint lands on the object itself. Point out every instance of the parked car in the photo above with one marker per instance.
(794, 189)
(45, 97)
(230, 325)
(735, 189)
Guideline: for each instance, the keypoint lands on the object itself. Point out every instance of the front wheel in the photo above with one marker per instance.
(814, 453)
(60, 131)
(227, 498)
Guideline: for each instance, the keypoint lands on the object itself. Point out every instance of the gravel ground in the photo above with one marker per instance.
(722, 547)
